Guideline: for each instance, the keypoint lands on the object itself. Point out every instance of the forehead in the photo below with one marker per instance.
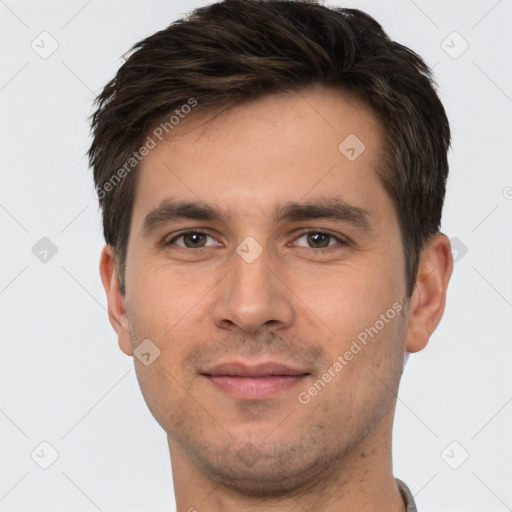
(256, 155)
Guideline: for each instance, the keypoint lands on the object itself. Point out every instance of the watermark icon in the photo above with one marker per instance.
(459, 249)
(507, 193)
(304, 397)
(146, 352)
(454, 45)
(249, 249)
(455, 455)
(150, 143)
(44, 250)
(249, 454)
(45, 45)
(351, 147)
(44, 455)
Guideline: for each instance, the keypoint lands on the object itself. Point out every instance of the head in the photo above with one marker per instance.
(306, 155)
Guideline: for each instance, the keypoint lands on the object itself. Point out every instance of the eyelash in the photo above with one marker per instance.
(300, 235)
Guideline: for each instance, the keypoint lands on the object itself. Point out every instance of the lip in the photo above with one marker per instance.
(254, 382)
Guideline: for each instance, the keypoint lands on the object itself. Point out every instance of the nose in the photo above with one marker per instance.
(253, 297)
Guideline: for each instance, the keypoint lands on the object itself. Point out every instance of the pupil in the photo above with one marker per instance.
(195, 239)
(320, 239)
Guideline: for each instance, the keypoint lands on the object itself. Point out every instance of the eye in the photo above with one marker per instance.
(191, 240)
(318, 240)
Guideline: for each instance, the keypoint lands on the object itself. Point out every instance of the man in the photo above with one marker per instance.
(272, 176)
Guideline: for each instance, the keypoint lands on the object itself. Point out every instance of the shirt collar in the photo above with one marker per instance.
(407, 496)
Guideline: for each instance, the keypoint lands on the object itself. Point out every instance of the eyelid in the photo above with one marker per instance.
(342, 241)
(176, 236)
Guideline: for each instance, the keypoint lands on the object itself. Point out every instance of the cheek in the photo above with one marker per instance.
(164, 392)
(161, 299)
(350, 299)
(169, 307)
(368, 350)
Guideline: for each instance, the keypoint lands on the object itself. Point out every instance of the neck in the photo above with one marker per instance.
(362, 480)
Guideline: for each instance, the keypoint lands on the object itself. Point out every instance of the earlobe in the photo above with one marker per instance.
(429, 295)
(116, 301)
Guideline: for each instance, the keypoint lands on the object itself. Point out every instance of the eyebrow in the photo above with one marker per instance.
(332, 208)
(171, 210)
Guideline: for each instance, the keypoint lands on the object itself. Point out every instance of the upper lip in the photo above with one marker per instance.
(236, 369)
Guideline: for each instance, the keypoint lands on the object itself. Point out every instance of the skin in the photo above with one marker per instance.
(293, 304)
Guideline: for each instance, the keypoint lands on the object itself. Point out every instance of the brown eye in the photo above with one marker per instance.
(318, 240)
(191, 240)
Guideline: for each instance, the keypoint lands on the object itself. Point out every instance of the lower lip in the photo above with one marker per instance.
(255, 388)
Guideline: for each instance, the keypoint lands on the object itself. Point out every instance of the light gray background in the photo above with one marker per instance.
(63, 379)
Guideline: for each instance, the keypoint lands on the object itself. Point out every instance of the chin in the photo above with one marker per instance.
(263, 472)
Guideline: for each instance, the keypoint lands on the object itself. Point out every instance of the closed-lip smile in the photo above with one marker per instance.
(255, 381)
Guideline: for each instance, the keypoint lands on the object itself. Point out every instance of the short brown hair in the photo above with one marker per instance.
(237, 50)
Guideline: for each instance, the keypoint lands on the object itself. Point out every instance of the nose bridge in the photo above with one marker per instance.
(251, 295)
(251, 277)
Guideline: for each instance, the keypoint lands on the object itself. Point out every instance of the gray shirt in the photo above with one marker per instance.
(410, 506)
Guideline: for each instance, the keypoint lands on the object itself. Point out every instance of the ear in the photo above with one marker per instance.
(429, 295)
(116, 301)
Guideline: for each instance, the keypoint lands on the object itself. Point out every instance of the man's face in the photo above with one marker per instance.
(268, 282)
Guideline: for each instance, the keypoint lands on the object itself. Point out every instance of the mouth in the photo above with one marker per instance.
(254, 382)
